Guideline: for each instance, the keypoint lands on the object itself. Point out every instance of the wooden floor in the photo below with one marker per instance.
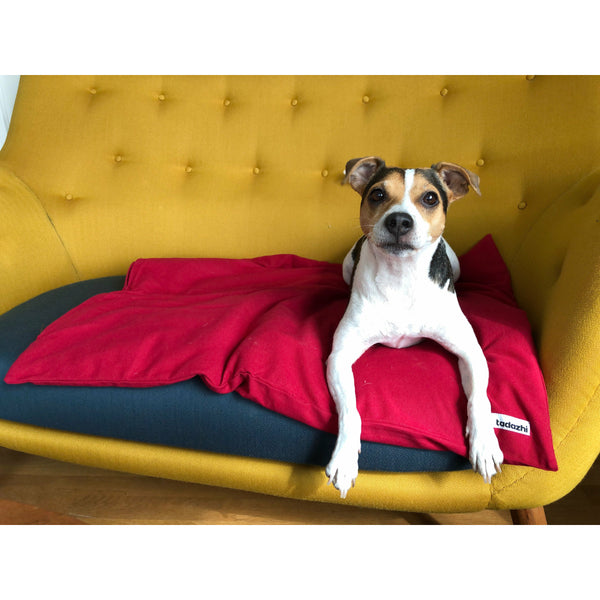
(61, 493)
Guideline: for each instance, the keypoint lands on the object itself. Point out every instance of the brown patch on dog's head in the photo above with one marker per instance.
(431, 201)
(380, 194)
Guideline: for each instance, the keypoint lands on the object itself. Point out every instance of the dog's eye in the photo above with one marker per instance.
(377, 196)
(430, 199)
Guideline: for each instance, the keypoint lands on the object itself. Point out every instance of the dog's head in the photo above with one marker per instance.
(404, 210)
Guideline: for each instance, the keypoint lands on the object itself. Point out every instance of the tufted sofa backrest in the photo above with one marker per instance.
(236, 166)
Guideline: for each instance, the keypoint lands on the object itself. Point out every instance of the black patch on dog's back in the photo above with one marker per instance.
(356, 256)
(440, 269)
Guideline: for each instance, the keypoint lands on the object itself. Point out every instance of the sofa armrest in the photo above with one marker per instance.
(33, 258)
(556, 276)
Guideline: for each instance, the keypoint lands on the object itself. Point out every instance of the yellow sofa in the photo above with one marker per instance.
(99, 171)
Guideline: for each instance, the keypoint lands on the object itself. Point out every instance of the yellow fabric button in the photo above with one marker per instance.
(480, 162)
(530, 77)
(324, 173)
(256, 170)
(366, 99)
(444, 92)
(68, 196)
(161, 97)
(522, 205)
(118, 158)
(188, 169)
(93, 91)
(227, 102)
(294, 102)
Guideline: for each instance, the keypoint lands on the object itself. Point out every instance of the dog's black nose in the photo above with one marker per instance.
(398, 223)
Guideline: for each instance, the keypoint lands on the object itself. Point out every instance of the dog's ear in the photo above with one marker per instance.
(457, 179)
(359, 171)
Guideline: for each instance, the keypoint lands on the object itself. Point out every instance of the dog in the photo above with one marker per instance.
(402, 274)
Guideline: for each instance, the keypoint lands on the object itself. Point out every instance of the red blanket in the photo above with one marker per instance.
(263, 327)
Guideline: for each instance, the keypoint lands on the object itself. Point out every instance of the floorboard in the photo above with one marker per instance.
(95, 496)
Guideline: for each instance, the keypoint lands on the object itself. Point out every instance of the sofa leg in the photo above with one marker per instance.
(529, 516)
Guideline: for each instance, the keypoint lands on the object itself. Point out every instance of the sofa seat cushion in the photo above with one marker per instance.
(185, 415)
(263, 328)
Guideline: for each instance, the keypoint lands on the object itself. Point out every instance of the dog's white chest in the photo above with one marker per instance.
(398, 316)
(397, 308)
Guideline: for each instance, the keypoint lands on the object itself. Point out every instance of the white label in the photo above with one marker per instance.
(511, 424)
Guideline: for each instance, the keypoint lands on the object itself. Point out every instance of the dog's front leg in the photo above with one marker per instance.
(484, 451)
(342, 469)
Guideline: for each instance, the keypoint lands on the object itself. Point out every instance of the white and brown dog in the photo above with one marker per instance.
(402, 276)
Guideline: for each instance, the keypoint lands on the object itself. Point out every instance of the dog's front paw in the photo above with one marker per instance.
(342, 470)
(484, 452)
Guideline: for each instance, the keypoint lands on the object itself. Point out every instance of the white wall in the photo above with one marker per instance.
(8, 92)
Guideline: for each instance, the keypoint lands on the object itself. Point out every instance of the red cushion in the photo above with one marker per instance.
(264, 327)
